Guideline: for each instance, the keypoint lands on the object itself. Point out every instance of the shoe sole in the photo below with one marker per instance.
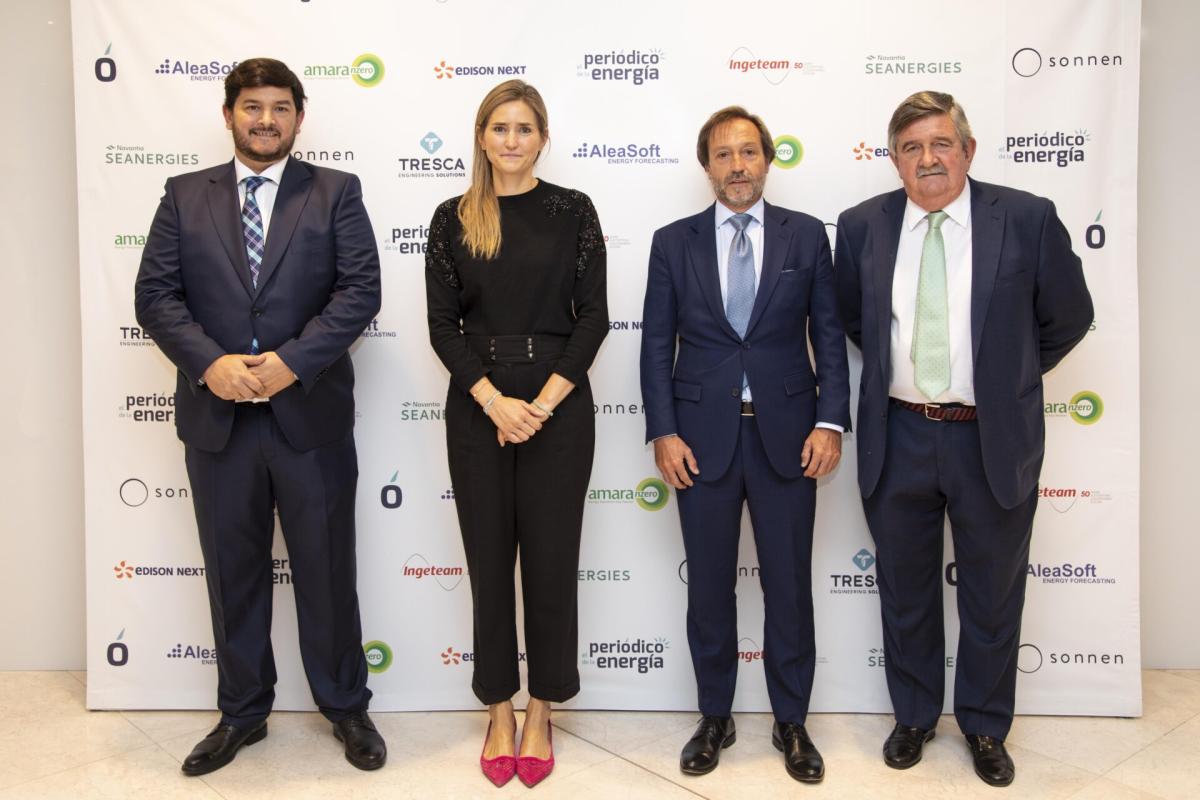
(727, 743)
(928, 738)
(213, 766)
(796, 775)
(365, 766)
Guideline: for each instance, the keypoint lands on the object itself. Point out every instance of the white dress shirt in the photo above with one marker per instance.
(265, 194)
(956, 233)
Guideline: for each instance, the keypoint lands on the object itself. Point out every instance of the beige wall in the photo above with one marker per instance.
(1169, 287)
(41, 474)
(41, 470)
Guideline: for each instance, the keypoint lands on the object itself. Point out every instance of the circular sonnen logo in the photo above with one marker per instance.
(368, 70)
(652, 494)
(133, 492)
(1086, 408)
(379, 656)
(1027, 62)
(788, 151)
(1029, 658)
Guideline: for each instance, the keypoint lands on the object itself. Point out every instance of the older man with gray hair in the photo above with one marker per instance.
(961, 295)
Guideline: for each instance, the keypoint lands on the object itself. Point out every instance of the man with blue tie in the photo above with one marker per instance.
(734, 296)
(961, 295)
(256, 278)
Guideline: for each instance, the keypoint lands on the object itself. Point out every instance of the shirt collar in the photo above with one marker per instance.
(755, 211)
(273, 173)
(958, 211)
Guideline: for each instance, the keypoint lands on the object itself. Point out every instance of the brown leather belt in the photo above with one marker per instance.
(942, 412)
(747, 408)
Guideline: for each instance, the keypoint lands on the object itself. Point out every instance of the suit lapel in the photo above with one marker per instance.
(885, 241)
(290, 200)
(224, 207)
(775, 247)
(702, 252)
(987, 233)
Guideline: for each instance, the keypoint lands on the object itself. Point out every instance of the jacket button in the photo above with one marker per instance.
(735, 392)
(745, 345)
(256, 312)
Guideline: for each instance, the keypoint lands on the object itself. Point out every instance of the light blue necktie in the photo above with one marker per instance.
(252, 232)
(739, 298)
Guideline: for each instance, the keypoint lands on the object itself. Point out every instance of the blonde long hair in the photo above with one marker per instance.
(479, 210)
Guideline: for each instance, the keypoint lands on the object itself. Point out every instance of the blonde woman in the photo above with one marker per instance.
(515, 283)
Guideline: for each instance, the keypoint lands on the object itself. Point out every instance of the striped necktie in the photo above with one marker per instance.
(252, 227)
(254, 235)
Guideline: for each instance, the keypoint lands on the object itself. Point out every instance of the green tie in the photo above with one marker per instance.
(931, 327)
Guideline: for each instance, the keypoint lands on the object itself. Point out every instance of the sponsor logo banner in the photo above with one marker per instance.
(625, 66)
(1084, 407)
(651, 494)
(378, 655)
(1029, 61)
(366, 70)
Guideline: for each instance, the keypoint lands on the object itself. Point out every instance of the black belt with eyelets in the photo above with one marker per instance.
(517, 349)
(941, 412)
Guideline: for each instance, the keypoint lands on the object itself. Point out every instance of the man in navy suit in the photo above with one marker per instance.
(961, 295)
(256, 278)
(737, 414)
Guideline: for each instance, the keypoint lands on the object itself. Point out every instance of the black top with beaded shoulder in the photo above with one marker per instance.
(548, 278)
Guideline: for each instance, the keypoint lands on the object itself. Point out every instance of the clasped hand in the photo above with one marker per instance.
(244, 377)
(515, 420)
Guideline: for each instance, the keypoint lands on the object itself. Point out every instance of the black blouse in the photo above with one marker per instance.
(548, 278)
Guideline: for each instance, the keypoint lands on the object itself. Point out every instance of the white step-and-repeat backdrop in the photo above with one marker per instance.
(1051, 91)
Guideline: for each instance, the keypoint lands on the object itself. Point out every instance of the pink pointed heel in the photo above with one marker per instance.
(498, 770)
(533, 771)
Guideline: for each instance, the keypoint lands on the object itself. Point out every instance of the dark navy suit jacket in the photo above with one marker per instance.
(698, 394)
(1029, 307)
(318, 288)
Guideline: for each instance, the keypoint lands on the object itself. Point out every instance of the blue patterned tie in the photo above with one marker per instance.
(252, 227)
(739, 299)
(252, 232)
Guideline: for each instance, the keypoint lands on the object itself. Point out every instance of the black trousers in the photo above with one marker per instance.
(236, 492)
(524, 499)
(934, 470)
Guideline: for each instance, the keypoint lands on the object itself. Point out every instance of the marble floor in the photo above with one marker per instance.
(52, 747)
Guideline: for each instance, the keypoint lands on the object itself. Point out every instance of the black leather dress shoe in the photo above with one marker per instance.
(702, 752)
(800, 755)
(992, 762)
(364, 746)
(220, 746)
(902, 749)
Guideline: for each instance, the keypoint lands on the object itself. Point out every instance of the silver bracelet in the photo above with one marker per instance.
(487, 407)
(538, 405)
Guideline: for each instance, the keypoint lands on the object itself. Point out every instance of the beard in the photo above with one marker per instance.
(264, 149)
(743, 195)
